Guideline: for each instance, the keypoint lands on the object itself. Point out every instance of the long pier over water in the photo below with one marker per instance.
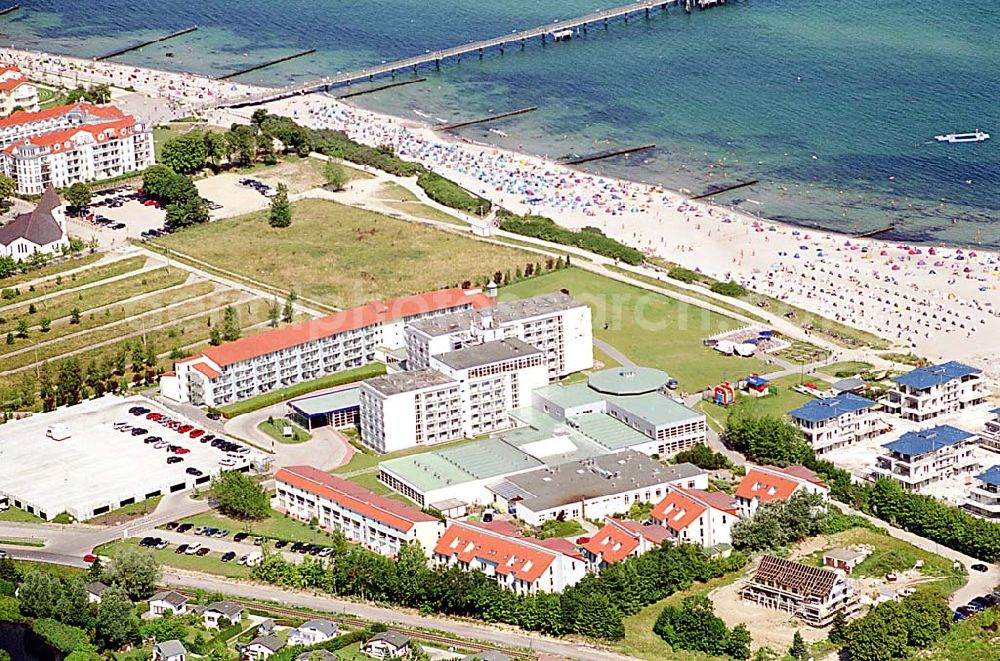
(555, 31)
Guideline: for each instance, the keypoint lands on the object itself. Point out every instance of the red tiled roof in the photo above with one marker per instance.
(802, 473)
(653, 533)
(55, 140)
(12, 83)
(207, 371)
(563, 546)
(765, 487)
(25, 117)
(511, 554)
(715, 499)
(612, 543)
(353, 496)
(677, 510)
(346, 320)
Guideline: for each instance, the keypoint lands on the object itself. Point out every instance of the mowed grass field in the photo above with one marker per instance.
(344, 256)
(651, 329)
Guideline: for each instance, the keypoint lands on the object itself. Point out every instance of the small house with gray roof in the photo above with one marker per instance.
(169, 650)
(41, 230)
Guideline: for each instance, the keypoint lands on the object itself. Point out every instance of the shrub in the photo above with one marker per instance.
(592, 239)
(729, 289)
(60, 636)
(683, 274)
(450, 194)
(338, 145)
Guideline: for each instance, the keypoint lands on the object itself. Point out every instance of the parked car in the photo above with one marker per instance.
(172, 525)
(228, 556)
(191, 470)
(183, 429)
(240, 536)
(139, 431)
(980, 567)
(193, 548)
(184, 527)
(200, 530)
(280, 544)
(174, 459)
(181, 549)
(207, 438)
(202, 551)
(147, 541)
(214, 416)
(151, 439)
(195, 433)
(89, 558)
(162, 544)
(227, 461)
(181, 451)
(220, 533)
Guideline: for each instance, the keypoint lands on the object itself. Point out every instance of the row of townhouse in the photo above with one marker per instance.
(67, 144)
(351, 338)
(381, 524)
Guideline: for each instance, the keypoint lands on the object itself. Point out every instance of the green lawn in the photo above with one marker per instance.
(22, 541)
(275, 429)
(343, 256)
(651, 329)
(426, 212)
(210, 564)
(641, 642)
(15, 515)
(275, 526)
(890, 555)
(123, 514)
(781, 402)
(555, 528)
(852, 366)
(54, 280)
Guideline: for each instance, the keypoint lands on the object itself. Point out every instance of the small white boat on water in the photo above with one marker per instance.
(975, 136)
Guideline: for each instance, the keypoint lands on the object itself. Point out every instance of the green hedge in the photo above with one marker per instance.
(218, 640)
(278, 396)
(728, 289)
(61, 636)
(589, 238)
(338, 145)
(447, 192)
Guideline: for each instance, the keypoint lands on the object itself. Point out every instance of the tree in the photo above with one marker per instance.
(214, 336)
(117, 622)
(779, 523)
(230, 324)
(289, 309)
(336, 175)
(738, 642)
(694, 626)
(765, 438)
(166, 627)
(22, 328)
(96, 569)
(73, 606)
(9, 570)
(798, 650)
(703, 457)
(78, 195)
(74, 316)
(215, 146)
(135, 571)
(45, 325)
(185, 153)
(258, 117)
(240, 495)
(156, 180)
(7, 187)
(273, 314)
(838, 628)
(39, 594)
(187, 213)
(241, 144)
(281, 209)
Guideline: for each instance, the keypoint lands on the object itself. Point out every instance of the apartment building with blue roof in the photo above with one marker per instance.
(928, 392)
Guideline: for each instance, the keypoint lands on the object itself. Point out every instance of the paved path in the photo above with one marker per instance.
(326, 449)
(615, 354)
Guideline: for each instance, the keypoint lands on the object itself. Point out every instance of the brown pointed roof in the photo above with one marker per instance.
(38, 226)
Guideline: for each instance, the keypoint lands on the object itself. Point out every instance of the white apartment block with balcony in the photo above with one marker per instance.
(928, 392)
(523, 565)
(836, 422)
(345, 340)
(990, 436)
(984, 497)
(64, 145)
(379, 523)
(920, 458)
(464, 393)
(16, 91)
(555, 323)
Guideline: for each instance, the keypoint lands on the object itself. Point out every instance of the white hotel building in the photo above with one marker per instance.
(80, 142)
(920, 458)
(379, 523)
(16, 91)
(928, 392)
(836, 422)
(464, 393)
(345, 340)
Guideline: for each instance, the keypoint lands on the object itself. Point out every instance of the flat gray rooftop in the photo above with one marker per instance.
(502, 313)
(606, 475)
(400, 382)
(487, 353)
(328, 402)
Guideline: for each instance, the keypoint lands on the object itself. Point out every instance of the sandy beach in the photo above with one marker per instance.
(938, 301)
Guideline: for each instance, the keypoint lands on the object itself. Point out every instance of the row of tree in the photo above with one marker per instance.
(595, 606)
(769, 439)
(896, 629)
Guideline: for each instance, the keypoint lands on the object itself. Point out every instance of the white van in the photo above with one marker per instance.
(58, 432)
(252, 559)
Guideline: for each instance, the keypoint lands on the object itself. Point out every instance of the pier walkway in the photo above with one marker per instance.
(545, 32)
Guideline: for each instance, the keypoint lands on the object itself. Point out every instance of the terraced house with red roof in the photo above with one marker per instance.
(351, 338)
(381, 524)
(696, 516)
(78, 142)
(524, 565)
(16, 91)
(620, 539)
(766, 484)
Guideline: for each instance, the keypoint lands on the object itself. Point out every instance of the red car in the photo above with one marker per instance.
(149, 203)
(183, 429)
(197, 432)
(154, 416)
(181, 451)
(90, 557)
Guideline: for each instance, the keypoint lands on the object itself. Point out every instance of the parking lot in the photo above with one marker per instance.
(98, 468)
